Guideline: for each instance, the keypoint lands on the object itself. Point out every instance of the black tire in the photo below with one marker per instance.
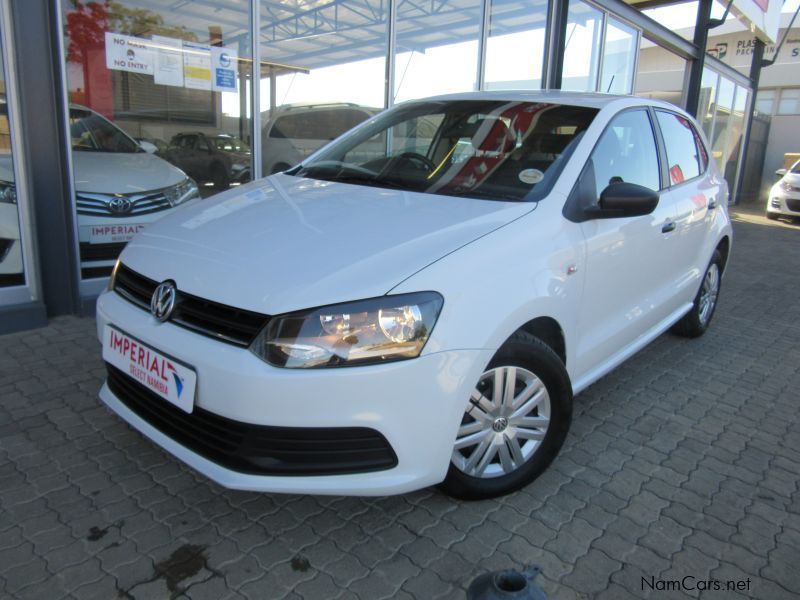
(528, 352)
(219, 177)
(692, 324)
(772, 216)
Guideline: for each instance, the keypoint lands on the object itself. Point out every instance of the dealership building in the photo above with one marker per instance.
(117, 111)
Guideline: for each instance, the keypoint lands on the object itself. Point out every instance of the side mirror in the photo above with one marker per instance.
(148, 147)
(780, 172)
(622, 199)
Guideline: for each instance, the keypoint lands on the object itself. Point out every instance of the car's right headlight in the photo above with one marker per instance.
(183, 192)
(378, 330)
(8, 192)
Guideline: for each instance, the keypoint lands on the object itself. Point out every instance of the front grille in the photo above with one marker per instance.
(220, 321)
(793, 204)
(131, 205)
(257, 449)
(101, 251)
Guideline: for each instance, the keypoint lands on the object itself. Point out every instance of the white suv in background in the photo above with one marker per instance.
(418, 303)
(295, 131)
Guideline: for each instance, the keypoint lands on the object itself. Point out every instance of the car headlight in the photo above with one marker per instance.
(8, 192)
(355, 333)
(786, 186)
(184, 191)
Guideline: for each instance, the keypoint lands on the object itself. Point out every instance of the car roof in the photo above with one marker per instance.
(587, 99)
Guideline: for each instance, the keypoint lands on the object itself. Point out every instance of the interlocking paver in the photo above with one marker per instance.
(684, 461)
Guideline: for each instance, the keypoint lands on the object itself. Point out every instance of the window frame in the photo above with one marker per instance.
(697, 135)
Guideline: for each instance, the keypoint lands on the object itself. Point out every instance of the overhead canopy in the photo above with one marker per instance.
(299, 36)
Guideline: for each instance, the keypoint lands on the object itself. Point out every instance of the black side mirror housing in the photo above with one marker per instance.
(622, 199)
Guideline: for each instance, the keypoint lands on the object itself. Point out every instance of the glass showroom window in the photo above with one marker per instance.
(515, 46)
(323, 71)
(436, 48)
(790, 102)
(582, 47)
(723, 109)
(620, 45)
(158, 112)
(733, 145)
(12, 240)
(706, 106)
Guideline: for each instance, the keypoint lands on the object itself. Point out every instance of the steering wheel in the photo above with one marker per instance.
(417, 157)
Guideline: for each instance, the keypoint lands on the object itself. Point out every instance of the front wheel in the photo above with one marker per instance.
(696, 321)
(514, 422)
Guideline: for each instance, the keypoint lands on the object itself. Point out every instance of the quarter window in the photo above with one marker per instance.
(626, 152)
(686, 155)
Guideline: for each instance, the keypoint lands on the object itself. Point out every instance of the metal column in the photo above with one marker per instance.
(700, 42)
(557, 18)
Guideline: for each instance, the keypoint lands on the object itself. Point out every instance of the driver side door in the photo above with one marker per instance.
(629, 260)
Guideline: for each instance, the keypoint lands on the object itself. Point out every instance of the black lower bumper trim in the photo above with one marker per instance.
(257, 449)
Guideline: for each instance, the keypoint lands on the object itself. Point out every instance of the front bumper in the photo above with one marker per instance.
(416, 405)
(784, 203)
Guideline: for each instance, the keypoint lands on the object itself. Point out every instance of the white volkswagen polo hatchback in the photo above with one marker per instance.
(388, 316)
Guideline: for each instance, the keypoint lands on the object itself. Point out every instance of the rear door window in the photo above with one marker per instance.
(686, 156)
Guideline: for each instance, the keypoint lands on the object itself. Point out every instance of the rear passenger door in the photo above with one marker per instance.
(694, 192)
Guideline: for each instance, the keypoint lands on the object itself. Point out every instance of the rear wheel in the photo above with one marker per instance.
(514, 422)
(696, 321)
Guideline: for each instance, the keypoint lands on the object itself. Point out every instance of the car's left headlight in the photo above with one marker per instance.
(355, 333)
(183, 192)
(786, 186)
(8, 192)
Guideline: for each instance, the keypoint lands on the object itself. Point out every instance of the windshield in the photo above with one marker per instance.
(230, 144)
(89, 131)
(796, 168)
(499, 150)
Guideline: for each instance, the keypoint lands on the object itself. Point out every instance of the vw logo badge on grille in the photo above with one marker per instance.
(119, 205)
(163, 301)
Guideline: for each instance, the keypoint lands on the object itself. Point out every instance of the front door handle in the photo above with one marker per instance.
(668, 227)
(712, 204)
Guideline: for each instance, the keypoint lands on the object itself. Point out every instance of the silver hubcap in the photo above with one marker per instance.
(709, 293)
(504, 423)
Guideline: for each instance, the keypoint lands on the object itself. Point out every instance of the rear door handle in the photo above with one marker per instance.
(668, 227)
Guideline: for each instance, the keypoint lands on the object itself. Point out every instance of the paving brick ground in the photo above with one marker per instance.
(684, 462)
